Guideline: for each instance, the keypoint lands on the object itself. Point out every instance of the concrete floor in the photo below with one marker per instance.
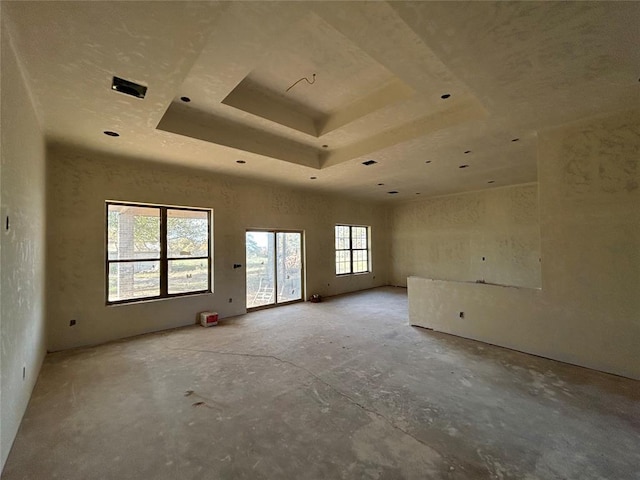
(344, 389)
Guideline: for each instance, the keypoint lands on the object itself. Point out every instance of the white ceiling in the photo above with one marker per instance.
(511, 68)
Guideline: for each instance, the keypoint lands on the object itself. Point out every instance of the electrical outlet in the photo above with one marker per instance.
(72, 323)
(230, 300)
(461, 314)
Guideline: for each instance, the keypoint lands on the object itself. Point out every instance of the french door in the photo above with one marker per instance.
(274, 267)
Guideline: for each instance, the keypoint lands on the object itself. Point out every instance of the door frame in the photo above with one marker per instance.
(303, 279)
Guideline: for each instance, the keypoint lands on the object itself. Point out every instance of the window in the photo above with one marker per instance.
(352, 249)
(156, 252)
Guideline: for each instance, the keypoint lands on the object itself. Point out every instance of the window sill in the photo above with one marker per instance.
(137, 301)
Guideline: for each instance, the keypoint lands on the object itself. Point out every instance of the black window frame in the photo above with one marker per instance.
(351, 249)
(163, 259)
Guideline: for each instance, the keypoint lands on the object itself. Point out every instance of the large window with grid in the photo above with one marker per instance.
(352, 249)
(156, 252)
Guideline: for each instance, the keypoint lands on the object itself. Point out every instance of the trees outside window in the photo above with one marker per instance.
(156, 252)
(352, 249)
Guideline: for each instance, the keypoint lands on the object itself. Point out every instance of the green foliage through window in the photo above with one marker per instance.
(156, 251)
(352, 249)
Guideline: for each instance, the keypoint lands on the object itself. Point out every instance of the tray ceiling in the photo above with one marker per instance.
(505, 69)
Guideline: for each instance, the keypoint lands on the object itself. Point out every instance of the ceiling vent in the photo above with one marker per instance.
(369, 162)
(128, 88)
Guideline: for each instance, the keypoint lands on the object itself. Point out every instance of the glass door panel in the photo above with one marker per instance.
(274, 268)
(260, 263)
(289, 266)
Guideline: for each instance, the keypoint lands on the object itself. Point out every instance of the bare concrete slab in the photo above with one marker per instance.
(344, 389)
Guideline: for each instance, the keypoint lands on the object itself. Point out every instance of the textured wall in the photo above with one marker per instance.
(22, 329)
(79, 184)
(492, 236)
(588, 311)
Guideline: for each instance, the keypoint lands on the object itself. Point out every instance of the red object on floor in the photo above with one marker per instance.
(208, 319)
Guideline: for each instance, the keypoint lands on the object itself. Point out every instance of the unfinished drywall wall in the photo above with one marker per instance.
(588, 311)
(22, 327)
(81, 181)
(491, 236)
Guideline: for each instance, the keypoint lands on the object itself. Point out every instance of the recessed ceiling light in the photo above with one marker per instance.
(392, 192)
(380, 184)
(111, 134)
(428, 161)
(463, 166)
(313, 178)
(515, 139)
(240, 161)
(491, 181)
(185, 99)
(467, 151)
(325, 146)
(445, 96)
(369, 162)
(127, 87)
